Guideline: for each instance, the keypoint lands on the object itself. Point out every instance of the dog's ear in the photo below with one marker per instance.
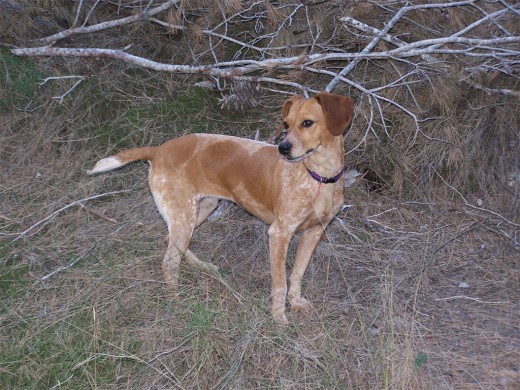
(285, 111)
(288, 104)
(337, 109)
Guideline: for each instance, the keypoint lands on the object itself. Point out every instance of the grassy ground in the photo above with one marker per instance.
(409, 292)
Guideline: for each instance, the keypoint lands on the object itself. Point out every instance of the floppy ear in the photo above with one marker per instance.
(337, 109)
(288, 104)
(285, 111)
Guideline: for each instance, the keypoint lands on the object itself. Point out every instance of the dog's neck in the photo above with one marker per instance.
(328, 159)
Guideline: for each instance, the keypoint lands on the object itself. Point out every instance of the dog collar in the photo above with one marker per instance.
(326, 180)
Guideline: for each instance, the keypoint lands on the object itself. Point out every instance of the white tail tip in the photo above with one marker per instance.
(106, 164)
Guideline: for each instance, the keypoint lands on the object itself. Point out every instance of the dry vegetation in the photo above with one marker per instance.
(416, 285)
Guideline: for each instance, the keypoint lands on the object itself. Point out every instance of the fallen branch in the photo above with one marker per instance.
(479, 22)
(386, 37)
(267, 66)
(494, 213)
(50, 217)
(97, 213)
(47, 79)
(230, 69)
(490, 91)
(109, 24)
(430, 256)
(388, 26)
(475, 43)
(371, 30)
(79, 258)
(471, 299)
(60, 98)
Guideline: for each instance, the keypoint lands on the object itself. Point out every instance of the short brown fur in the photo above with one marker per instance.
(190, 174)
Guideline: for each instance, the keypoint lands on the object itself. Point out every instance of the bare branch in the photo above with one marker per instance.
(106, 25)
(47, 79)
(165, 24)
(258, 58)
(60, 98)
(233, 68)
(374, 31)
(382, 33)
(474, 42)
(494, 213)
(79, 258)
(50, 217)
(472, 299)
(489, 91)
(78, 13)
(90, 13)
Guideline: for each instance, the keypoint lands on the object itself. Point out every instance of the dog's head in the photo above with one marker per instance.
(309, 123)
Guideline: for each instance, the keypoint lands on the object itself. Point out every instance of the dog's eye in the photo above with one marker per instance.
(307, 123)
(285, 125)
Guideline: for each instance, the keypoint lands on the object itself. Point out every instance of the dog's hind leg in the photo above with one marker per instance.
(206, 207)
(203, 265)
(180, 230)
(182, 216)
(179, 208)
(179, 239)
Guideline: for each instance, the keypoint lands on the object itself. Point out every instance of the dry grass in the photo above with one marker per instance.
(389, 309)
(107, 321)
(412, 288)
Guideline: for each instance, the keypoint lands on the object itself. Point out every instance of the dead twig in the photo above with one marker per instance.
(97, 213)
(60, 98)
(106, 25)
(494, 213)
(41, 223)
(388, 26)
(80, 257)
(386, 37)
(491, 91)
(471, 299)
(430, 256)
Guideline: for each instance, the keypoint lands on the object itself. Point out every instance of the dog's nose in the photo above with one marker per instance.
(284, 148)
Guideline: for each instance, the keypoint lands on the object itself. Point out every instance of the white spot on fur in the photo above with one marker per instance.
(160, 203)
(106, 164)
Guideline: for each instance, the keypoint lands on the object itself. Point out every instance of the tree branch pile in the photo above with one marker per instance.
(257, 55)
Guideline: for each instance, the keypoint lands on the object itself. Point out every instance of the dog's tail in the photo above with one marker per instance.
(122, 158)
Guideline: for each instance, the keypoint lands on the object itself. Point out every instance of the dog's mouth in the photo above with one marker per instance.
(299, 158)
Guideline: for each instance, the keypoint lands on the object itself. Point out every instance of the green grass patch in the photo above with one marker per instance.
(201, 320)
(41, 350)
(42, 356)
(19, 80)
(420, 360)
(12, 282)
(113, 120)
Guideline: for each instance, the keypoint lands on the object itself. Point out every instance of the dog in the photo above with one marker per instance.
(295, 186)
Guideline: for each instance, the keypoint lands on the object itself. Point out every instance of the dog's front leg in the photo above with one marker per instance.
(306, 245)
(279, 239)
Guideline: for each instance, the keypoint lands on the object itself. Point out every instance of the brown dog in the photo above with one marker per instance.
(295, 186)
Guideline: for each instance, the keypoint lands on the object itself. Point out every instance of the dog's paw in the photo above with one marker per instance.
(301, 305)
(279, 316)
(208, 267)
(281, 319)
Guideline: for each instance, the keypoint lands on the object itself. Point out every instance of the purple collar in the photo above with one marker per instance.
(326, 180)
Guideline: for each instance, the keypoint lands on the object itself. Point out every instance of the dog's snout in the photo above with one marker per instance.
(284, 148)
